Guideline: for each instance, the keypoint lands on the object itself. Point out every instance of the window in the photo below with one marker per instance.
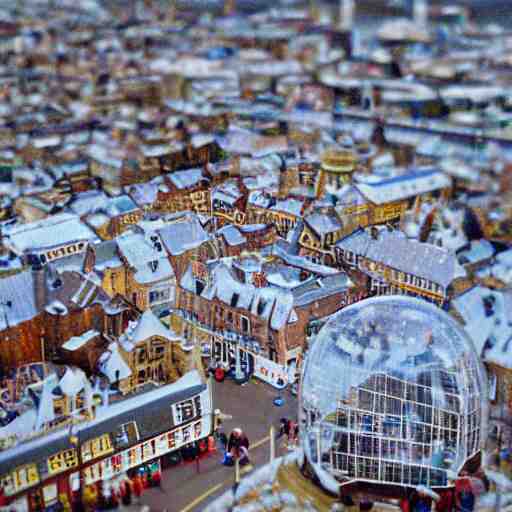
(186, 410)
(229, 317)
(126, 435)
(141, 356)
(158, 296)
(158, 350)
(244, 324)
(261, 306)
(234, 299)
(199, 286)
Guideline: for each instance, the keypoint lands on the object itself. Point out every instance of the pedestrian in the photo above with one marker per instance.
(223, 439)
(446, 502)
(137, 488)
(126, 493)
(219, 374)
(284, 428)
(238, 446)
(156, 478)
(464, 496)
(420, 502)
(292, 428)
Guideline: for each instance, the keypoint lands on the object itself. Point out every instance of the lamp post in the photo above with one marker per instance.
(6, 304)
(74, 439)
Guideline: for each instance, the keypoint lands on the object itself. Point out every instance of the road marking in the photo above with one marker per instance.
(215, 488)
(203, 496)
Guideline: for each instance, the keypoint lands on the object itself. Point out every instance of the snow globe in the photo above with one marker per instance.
(392, 394)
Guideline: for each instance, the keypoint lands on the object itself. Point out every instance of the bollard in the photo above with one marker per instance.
(272, 444)
(197, 465)
(237, 475)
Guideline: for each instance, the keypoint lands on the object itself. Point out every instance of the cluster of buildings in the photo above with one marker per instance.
(180, 187)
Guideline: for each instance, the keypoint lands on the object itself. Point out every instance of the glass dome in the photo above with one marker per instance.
(392, 392)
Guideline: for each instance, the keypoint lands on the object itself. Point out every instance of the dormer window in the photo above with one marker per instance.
(199, 286)
(261, 306)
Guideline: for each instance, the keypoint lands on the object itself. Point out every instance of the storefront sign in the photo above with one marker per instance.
(62, 461)
(273, 373)
(130, 218)
(235, 216)
(96, 447)
(65, 250)
(19, 479)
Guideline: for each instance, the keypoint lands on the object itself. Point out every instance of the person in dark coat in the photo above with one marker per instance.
(238, 446)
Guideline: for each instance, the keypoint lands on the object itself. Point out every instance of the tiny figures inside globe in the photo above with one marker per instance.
(392, 394)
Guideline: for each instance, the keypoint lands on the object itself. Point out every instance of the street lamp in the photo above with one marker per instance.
(74, 439)
(6, 304)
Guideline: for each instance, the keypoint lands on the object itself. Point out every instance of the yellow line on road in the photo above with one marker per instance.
(201, 498)
(217, 487)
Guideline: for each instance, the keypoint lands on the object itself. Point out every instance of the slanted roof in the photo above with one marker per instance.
(146, 256)
(73, 381)
(322, 223)
(52, 231)
(404, 186)
(18, 289)
(183, 235)
(232, 235)
(145, 327)
(395, 250)
(151, 411)
(76, 342)
(187, 178)
(112, 362)
(149, 325)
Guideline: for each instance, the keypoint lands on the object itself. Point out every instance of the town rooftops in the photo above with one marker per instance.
(183, 234)
(405, 186)
(112, 364)
(186, 179)
(145, 327)
(18, 291)
(273, 302)
(145, 254)
(76, 342)
(322, 223)
(150, 410)
(57, 230)
(395, 250)
(232, 235)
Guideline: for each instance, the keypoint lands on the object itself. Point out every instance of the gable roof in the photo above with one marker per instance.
(145, 327)
(402, 187)
(183, 235)
(18, 289)
(395, 250)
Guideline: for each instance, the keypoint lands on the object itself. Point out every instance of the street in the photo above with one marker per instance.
(183, 488)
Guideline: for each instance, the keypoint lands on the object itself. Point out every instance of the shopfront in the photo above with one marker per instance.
(251, 363)
(91, 465)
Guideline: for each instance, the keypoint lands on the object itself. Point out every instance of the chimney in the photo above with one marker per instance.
(39, 277)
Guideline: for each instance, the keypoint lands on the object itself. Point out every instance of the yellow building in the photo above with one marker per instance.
(147, 352)
(336, 170)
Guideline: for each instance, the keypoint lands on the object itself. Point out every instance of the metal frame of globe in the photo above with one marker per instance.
(389, 430)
